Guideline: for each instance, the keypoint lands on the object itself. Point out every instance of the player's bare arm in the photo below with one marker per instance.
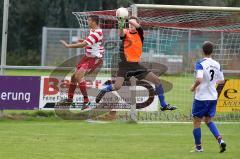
(196, 84)
(221, 82)
(134, 23)
(77, 45)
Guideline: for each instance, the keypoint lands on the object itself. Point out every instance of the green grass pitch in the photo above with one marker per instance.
(42, 139)
(65, 139)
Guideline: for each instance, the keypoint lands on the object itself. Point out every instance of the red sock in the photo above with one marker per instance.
(83, 89)
(71, 90)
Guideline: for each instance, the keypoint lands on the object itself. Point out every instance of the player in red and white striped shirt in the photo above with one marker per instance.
(90, 61)
(94, 41)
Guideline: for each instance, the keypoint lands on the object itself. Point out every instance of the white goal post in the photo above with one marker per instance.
(4, 35)
(186, 7)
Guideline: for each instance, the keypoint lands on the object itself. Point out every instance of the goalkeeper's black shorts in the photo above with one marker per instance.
(129, 69)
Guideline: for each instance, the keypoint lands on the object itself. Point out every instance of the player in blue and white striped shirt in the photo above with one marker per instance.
(208, 74)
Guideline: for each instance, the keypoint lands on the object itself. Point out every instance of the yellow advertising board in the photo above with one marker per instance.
(229, 96)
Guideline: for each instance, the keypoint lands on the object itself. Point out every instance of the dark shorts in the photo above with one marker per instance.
(206, 108)
(129, 69)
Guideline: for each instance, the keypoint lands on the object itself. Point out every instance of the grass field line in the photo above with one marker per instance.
(177, 122)
(138, 122)
(161, 122)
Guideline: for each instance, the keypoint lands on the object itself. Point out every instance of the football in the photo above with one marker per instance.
(122, 12)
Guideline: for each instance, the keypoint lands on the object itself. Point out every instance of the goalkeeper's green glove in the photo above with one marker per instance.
(121, 22)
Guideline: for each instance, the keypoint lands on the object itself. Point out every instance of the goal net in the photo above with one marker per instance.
(173, 40)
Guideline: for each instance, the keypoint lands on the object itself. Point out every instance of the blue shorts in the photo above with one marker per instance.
(206, 108)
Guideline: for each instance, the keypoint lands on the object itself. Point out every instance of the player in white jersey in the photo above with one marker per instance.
(89, 62)
(208, 74)
(94, 46)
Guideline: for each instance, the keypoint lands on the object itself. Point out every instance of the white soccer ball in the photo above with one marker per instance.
(122, 12)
